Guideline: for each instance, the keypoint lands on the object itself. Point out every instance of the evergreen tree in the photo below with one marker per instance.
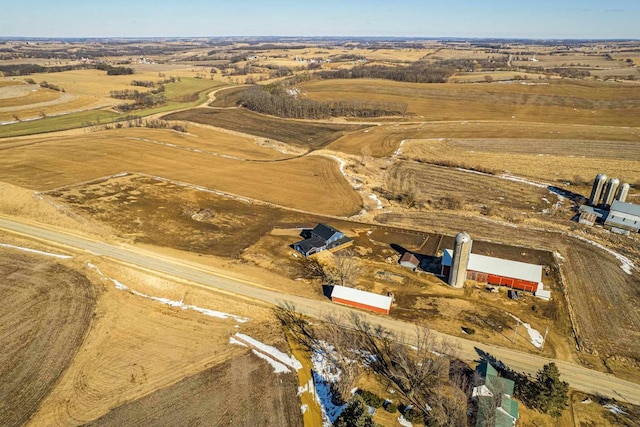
(552, 393)
(354, 414)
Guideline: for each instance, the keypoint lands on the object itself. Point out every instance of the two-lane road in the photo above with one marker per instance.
(578, 377)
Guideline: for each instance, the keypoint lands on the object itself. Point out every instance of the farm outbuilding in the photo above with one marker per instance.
(409, 260)
(623, 218)
(497, 271)
(361, 299)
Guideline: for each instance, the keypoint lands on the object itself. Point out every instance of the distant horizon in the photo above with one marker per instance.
(312, 38)
(465, 19)
(319, 38)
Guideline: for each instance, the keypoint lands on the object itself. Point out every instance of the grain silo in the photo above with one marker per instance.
(610, 192)
(460, 262)
(596, 191)
(623, 192)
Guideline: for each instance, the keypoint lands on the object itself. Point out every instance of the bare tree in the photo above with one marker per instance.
(345, 270)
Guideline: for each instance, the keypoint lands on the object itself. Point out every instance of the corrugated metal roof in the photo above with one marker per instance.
(362, 297)
(499, 267)
(627, 208)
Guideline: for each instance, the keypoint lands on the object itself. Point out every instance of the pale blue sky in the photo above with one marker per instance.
(426, 18)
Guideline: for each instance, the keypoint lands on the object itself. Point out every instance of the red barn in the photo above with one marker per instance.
(497, 271)
(361, 299)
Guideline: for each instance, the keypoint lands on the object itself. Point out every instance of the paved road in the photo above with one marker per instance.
(579, 378)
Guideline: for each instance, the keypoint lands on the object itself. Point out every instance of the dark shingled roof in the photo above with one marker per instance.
(310, 243)
(324, 231)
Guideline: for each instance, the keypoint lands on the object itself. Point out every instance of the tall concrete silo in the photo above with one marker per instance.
(610, 192)
(596, 191)
(623, 192)
(460, 261)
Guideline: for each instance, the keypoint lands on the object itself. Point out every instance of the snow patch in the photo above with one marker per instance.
(558, 255)
(403, 421)
(534, 335)
(376, 199)
(304, 408)
(324, 375)
(285, 359)
(34, 251)
(170, 302)
(232, 340)
(615, 409)
(278, 367)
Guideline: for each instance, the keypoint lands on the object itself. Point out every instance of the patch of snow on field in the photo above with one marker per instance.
(615, 409)
(278, 367)
(534, 335)
(232, 340)
(49, 254)
(559, 256)
(170, 302)
(290, 361)
(625, 263)
(403, 421)
(376, 199)
(324, 375)
(304, 408)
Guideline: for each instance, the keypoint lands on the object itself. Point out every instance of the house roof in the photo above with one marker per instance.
(324, 231)
(510, 406)
(310, 243)
(499, 267)
(362, 297)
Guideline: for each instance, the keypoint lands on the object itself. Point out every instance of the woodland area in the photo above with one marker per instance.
(277, 102)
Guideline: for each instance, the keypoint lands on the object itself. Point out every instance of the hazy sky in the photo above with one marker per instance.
(427, 18)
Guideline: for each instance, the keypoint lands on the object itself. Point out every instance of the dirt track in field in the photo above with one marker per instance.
(45, 311)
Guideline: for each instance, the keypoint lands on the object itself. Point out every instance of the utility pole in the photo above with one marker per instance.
(515, 331)
(544, 339)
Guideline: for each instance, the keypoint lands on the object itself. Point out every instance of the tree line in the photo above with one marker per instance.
(281, 104)
(115, 71)
(415, 73)
(12, 70)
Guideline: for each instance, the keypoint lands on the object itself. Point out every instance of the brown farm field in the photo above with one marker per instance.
(558, 162)
(45, 312)
(140, 354)
(162, 213)
(305, 134)
(49, 163)
(591, 103)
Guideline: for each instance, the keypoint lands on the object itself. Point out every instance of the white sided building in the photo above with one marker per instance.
(498, 271)
(361, 299)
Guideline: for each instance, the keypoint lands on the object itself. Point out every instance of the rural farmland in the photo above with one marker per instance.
(199, 231)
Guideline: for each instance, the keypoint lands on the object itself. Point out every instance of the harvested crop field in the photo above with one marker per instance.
(445, 187)
(163, 213)
(383, 140)
(548, 165)
(302, 134)
(591, 103)
(140, 343)
(24, 94)
(49, 163)
(45, 312)
(238, 392)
